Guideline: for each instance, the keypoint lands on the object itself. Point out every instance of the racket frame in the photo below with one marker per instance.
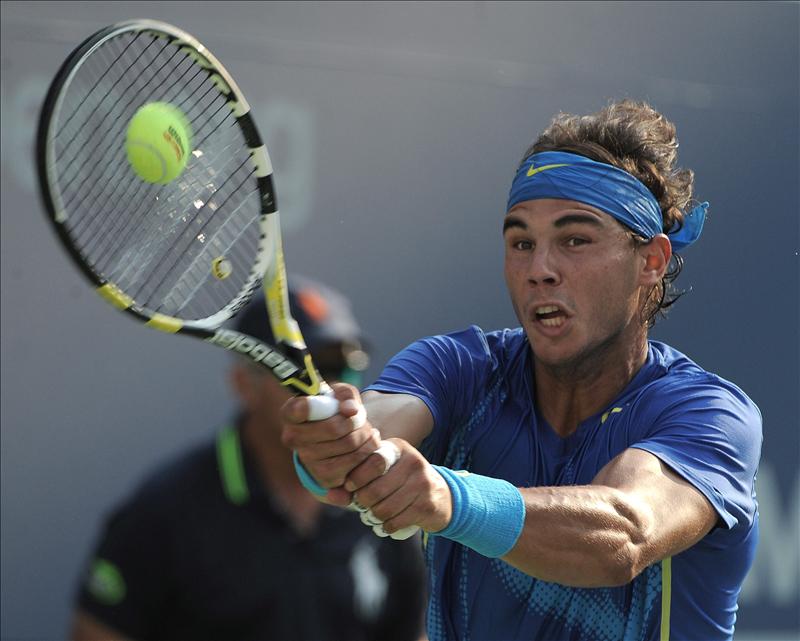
(289, 359)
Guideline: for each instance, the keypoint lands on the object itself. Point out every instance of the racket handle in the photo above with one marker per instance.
(321, 407)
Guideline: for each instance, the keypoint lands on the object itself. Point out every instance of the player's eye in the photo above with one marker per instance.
(577, 241)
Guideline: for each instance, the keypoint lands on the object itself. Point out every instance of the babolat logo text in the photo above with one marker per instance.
(259, 352)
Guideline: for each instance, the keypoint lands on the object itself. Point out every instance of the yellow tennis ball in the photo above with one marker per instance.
(158, 142)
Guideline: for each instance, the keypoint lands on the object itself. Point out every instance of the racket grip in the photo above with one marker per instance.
(321, 407)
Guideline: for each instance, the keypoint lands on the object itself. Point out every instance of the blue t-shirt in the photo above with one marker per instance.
(479, 389)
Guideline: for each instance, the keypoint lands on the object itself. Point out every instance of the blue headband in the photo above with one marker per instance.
(558, 174)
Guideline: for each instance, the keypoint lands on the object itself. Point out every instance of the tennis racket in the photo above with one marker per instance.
(185, 256)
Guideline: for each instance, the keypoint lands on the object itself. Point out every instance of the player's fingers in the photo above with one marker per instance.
(384, 457)
(391, 505)
(397, 527)
(295, 410)
(402, 526)
(404, 532)
(310, 450)
(368, 518)
(332, 472)
(346, 392)
(350, 405)
(400, 534)
(411, 493)
(346, 402)
(338, 496)
(326, 433)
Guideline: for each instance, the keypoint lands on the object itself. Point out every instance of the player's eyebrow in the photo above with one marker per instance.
(578, 219)
(512, 221)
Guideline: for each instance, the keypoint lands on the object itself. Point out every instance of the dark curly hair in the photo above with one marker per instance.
(635, 137)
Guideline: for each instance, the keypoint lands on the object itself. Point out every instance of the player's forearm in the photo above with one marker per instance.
(587, 536)
(399, 416)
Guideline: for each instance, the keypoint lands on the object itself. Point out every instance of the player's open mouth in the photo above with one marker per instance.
(550, 315)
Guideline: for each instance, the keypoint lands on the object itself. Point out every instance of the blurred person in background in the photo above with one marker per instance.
(224, 543)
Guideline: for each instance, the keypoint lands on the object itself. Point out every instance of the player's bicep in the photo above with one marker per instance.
(676, 514)
(399, 416)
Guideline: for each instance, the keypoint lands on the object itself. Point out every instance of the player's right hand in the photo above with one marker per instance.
(331, 448)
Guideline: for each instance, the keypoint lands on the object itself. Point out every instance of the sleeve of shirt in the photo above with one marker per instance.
(709, 432)
(126, 580)
(446, 372)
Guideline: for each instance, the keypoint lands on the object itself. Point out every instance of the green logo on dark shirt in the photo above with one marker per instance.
(106, 583)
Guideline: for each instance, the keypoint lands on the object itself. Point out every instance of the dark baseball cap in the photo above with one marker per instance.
(329, 327)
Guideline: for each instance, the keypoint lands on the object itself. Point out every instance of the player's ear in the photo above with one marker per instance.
(656, 255)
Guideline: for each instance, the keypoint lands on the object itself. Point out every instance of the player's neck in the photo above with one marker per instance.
(570, 393)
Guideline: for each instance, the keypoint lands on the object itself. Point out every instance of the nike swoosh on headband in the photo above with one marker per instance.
(535, 170)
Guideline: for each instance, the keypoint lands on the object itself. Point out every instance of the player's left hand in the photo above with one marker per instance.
(329, 449)
(410, 492)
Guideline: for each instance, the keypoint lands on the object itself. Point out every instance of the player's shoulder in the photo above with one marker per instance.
(683, 373)
(494, 344)
(682, 385)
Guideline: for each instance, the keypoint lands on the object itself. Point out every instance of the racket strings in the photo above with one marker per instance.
(116, 129)
(64, 130)
(157, 242)
(98, 132)
(120, 170)
(130, 221)
(151, 242)
(97, 188)
(237, 262)
(121, 230)
(133, 258)
(177, 257)
(87, 94)
(119, 119)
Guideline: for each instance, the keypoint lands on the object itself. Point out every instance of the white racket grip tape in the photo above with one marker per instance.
(401, 534)
(355, 507)
(321, 407)
(405, 533)
(368, 518)
(389, 452)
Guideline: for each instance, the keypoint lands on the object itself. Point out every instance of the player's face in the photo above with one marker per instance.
(574, 278)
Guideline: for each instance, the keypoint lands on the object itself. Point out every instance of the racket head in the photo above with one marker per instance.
(181, 257)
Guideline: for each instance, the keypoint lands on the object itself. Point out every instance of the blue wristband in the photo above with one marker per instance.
(488, 514)
(306, 479)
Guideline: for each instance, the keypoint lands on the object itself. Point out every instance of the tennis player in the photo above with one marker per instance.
(575, 479)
